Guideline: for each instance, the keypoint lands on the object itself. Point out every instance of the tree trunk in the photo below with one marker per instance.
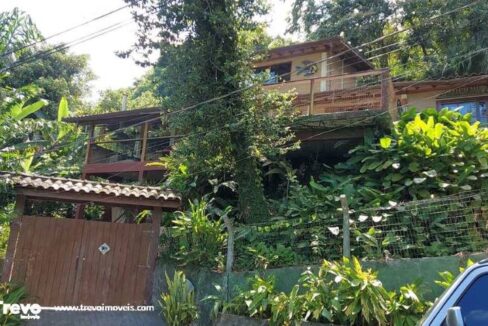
(252, 203)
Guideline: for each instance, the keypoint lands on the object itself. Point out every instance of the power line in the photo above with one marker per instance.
(62, 47)
(66, 30)
(291, 73)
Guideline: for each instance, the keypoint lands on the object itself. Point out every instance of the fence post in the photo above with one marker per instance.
(346, 242)
(230, 254)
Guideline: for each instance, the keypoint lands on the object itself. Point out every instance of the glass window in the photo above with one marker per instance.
(477, 109)
(474, 303)
(278, 73)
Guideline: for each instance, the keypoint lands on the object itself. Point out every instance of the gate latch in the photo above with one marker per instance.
(104, 248)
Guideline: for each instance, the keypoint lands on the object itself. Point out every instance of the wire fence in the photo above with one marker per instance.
(435, 227)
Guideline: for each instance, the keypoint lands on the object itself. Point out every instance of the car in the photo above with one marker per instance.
(465, 303)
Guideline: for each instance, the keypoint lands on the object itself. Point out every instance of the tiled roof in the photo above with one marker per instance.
(90, 187)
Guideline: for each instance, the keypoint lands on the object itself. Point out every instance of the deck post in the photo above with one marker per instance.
(312, 96)
(145, 130)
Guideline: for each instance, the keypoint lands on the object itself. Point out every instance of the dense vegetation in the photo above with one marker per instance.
(437, 41)
(426, 156)
(341, 293)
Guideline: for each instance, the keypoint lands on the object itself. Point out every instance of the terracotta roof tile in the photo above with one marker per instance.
(93, 187)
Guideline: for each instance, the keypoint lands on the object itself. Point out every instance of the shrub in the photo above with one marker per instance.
(340, 293)
(178, 303)
(263, 256)
(196, 238)
(11, 293)
(447, 277)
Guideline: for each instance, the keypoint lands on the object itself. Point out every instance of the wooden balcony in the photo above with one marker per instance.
(343, 95)
(127, 158)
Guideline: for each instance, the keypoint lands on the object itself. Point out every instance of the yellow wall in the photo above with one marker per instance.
(301, 84)
(424, 100)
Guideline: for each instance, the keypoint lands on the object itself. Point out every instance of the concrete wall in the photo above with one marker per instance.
(393, 274)
(422, 101)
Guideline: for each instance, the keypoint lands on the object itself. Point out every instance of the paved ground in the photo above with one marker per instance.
(56, 318)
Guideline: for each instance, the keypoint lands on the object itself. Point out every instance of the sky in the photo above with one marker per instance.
(53, 16)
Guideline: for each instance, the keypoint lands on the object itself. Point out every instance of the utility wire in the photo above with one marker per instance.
(111, 12)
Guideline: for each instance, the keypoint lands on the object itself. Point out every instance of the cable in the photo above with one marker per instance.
(62, 47)
(226, 95)
(56, 147)
(65, 31)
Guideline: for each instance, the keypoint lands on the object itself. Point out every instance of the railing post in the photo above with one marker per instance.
(346, 242)
(384, 90)
(312, 96)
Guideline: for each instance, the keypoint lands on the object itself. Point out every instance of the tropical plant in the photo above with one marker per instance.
(196, 238)
(406, 307)
(9, 294)
(178, 302)
(340, 292)
(263, 256)
(255, 302)
(373, 243)
(447, 277)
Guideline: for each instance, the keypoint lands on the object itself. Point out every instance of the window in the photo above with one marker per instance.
(477, 109)
(473, 303)
(278, 73)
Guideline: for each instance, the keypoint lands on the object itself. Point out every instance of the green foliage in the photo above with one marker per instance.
(178, 303)
(429, 154)
(196, 239)
(262, 256)
(435, 45)
(229, 126)
(255, 302)
(340, 293)
(11, 293)
(373, 246)
(447, 277)
(16, 30)
(57, 75)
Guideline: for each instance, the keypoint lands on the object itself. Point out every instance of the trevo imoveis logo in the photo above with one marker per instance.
(25, 310)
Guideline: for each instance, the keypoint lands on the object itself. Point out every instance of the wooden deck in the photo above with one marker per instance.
(331, 100)
(371, 90)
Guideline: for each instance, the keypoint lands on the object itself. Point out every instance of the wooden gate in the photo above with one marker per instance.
(72, 261)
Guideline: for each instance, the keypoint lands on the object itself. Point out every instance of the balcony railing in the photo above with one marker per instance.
(129, 150)
(371, 90)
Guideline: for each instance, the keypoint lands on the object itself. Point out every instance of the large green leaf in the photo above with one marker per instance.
(63, 109)
(20, 113)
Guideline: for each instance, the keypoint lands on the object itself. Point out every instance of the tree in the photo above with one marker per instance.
(434, 44)
(56, 73)
(206, 48)
(358, 21)
(16, 31)
(141, 95)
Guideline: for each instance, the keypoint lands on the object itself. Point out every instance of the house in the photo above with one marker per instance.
(463, 94)
(341, 98)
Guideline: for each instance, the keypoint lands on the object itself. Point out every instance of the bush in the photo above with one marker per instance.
(178, 304)
(196, 239)
(428, 154)
(11, 293)
(340, 293)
